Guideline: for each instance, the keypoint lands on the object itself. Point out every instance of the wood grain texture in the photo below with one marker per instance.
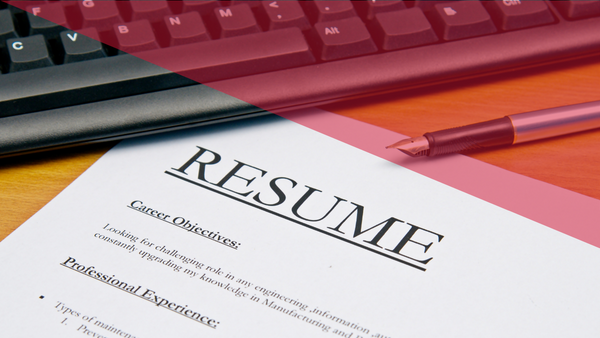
(27, 183)
(571, 162)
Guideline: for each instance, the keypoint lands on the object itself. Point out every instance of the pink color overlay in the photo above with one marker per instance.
(563, 210)
(560, 209)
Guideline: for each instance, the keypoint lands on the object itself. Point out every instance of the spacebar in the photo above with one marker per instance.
(235, 56)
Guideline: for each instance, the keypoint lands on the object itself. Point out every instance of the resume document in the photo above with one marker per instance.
(266, 228)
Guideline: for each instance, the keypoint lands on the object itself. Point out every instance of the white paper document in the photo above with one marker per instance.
(265, 228)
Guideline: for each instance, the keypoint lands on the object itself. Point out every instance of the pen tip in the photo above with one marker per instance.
(415, 147)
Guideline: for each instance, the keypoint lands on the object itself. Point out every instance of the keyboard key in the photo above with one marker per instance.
(202, 7)
(321, 11)
(236, 56)
(577, 9)
(343, 38)
(185, 28)
(28, 53)
(251, 3)
(369, 8)
(287, 13)
(16, 11)
(82, 45)
(48, 20)
(7, 27)
(69, 4)
(428, 5)
(153, 11)
(236, 20)
(402, 29)
(99, 14)
(135, 36)
(461, 19)
(516, 14)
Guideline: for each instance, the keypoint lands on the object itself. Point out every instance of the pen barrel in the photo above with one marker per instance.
(556, 121)
(474, 136)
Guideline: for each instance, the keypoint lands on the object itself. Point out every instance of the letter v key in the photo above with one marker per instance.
(72, 37)
(80, 46)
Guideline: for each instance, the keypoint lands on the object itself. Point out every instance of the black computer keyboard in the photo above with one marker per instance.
(61, 87)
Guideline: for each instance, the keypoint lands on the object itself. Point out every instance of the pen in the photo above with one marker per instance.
(512, 129)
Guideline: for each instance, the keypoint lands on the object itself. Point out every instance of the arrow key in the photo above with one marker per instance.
(82, 45)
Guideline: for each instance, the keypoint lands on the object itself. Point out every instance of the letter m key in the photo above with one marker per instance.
(225, 12)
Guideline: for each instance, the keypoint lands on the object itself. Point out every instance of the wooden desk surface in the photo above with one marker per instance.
(27, 183)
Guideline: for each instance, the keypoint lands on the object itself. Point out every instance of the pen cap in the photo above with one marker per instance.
(474, 136)
(556, 121)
